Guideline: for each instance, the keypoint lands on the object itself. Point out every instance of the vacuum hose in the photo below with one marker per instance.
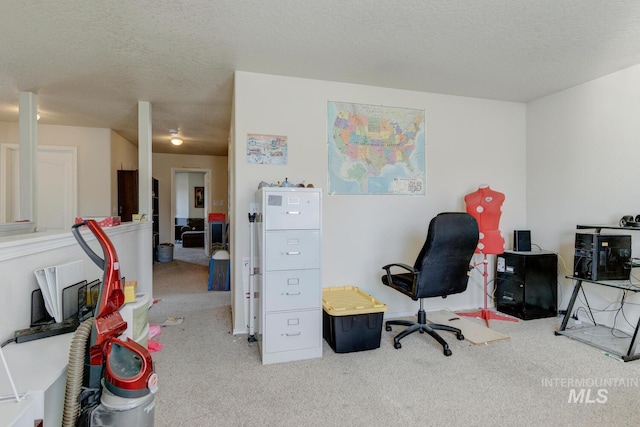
(75, 372)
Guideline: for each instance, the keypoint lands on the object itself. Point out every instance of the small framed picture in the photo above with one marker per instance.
(198, 197)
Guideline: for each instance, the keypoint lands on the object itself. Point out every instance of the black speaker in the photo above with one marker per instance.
(630, 221)
(522, 240)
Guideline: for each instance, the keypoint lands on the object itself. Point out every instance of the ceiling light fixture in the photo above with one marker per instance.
(175, 137)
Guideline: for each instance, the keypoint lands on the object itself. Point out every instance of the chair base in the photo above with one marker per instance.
(422, 326)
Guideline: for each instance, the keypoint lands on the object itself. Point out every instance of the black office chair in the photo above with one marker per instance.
(442, 268)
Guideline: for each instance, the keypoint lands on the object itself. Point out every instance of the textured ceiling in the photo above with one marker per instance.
(91, 61)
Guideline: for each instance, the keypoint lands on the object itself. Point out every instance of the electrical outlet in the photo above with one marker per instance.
(576, 321)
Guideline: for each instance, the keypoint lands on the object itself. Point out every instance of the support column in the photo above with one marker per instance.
(28, 128)
(145, 203)
(144, 158)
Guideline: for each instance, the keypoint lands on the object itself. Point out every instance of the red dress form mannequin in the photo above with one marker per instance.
(485, 205)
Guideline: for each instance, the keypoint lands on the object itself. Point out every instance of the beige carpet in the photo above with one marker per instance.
(208, 377)
(190, 255)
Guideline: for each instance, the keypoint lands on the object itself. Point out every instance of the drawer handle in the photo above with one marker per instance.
(293, 253)
(293, 212)
(293, 294)
(293, 335)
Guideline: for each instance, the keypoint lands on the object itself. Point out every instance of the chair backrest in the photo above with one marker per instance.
(443, 262)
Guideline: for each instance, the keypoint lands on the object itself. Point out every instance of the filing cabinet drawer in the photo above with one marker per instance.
(292, 250)
(292, 290)
(295, 330)
(292, 211)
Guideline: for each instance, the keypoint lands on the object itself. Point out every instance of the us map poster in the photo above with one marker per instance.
(375, 149)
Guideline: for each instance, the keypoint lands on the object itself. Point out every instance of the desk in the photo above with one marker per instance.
(621, 345)
(18, 414)
(39, 367)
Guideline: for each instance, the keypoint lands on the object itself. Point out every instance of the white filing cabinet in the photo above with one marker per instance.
(289, 320)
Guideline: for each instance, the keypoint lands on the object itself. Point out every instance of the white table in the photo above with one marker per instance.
(39, 369)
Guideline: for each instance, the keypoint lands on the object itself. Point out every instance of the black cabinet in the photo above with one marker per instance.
(128, 197)
(127, 194)
(128, 201)
(155, 214)
(527, 284)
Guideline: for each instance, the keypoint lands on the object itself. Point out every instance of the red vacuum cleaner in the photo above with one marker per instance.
(110, 381)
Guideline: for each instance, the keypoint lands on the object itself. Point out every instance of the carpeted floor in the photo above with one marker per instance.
(208, 377)
(190, 255)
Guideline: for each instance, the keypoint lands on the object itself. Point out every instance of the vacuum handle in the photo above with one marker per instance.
(75, 229)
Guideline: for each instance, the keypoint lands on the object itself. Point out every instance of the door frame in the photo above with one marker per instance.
(207, 190)
(71, 207)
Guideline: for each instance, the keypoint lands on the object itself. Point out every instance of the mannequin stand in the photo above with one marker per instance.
(485, 313)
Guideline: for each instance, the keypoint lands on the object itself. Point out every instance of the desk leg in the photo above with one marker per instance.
(632, 346)
(572, 301)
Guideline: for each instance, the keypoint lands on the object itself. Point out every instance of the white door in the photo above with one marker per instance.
(56, 186)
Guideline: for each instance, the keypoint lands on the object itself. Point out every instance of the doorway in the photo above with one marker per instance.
(190, 187)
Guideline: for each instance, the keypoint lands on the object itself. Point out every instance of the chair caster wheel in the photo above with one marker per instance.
(447, 352)
(460, 337)
(388, 328)
(397, 345)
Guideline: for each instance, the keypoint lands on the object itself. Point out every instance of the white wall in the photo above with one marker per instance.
(185, 183)
(583, 146)
(94, 146)
(9, 133)
(469, 142)
(182, 196)
(162, 165)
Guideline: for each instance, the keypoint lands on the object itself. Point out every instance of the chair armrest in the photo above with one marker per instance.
(407, 267)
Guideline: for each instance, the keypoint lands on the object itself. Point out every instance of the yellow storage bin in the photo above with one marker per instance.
(130, 288)
(351, 319)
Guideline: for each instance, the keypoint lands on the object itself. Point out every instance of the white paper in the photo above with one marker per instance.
(46, 291)
(52, 280)
(56, 299)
